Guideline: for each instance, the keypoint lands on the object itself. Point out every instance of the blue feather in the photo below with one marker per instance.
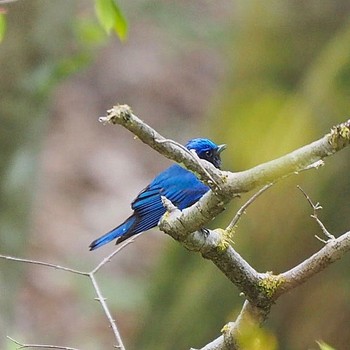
(177, 184)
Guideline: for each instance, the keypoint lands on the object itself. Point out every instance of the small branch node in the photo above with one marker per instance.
(321, 239)
(115, 114)
(315, 165)
(100, 299)
(168, 205)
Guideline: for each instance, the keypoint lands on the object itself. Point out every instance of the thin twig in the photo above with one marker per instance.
(110, 256)
(96, 287)
(39, 346)
(2, 2)
(105, 308)
(35, 262)
(315, 165)
(315, 208)
(231, 227)
(100, 297)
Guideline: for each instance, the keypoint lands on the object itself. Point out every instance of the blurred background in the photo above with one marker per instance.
(262, 77)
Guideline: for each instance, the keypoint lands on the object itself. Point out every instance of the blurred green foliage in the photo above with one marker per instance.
(111, 17)
(324, 346)
(287, 83)
(256, 338)
(2, 26)
(32, 63)
(22, 118)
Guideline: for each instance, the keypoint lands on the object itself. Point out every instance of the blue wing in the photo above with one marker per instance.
(177, 184)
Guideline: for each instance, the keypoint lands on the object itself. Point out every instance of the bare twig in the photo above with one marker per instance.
(101, 299)
(111, 321)
(2, 2)
(39, 346)
(231, 227)
(315, 208)
(35, 262)
(109, 257)
(95, 285)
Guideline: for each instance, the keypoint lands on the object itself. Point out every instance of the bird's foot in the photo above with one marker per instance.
(225, 237)
(205, 232)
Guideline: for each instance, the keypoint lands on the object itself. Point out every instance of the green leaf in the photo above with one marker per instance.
(2, 26)
(111, 17)
(120, 23)
(89, 32)
(324, 346)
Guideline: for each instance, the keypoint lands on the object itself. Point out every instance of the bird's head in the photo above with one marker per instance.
(207, 149)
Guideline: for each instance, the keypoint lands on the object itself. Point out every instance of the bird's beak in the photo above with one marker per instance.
(221, 148)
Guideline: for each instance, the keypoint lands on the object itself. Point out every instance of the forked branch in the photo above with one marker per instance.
(260, 289)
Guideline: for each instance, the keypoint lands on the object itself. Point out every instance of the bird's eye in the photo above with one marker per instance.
(208, 153)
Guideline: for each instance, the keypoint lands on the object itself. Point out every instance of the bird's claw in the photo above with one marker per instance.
(205, 232)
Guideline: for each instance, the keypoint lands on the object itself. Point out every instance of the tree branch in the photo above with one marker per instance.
(39, 346)
(261, 290)
(231, 227)
(331, 252)
(95, 285)
(250, 316)
(315, 208)
(229, 184)
(181, 224)
(122, 115)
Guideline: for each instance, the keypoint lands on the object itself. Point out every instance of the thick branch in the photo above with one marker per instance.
(292, 163)
(226, 185)
(253, 315)
(180, 224)
(261, 290)
(249, 317)
(331, 252)
(236, 269)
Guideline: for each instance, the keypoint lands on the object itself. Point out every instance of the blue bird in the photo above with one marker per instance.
(177, 184)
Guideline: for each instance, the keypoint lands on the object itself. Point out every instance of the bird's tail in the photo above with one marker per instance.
(116, 232)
